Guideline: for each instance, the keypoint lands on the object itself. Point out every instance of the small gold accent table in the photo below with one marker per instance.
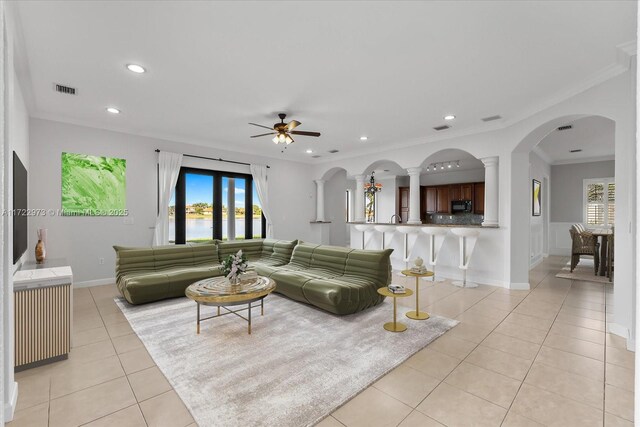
(417, 314)
(218, 292)
(394, 326)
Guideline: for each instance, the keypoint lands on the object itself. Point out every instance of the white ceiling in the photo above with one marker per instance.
(593, 135)
(388, 70)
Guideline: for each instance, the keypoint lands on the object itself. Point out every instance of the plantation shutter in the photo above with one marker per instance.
(600, 198)
(611, 199)
(595, 204)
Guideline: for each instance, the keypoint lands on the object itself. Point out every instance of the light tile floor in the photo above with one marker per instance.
(518, 358)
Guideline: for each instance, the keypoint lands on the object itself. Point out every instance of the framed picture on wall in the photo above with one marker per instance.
(536, 199)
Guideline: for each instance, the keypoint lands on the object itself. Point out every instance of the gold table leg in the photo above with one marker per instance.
(395, 326)
(417, 314)
(198, 320)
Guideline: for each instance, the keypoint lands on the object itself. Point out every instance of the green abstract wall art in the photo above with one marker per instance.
(93, 185)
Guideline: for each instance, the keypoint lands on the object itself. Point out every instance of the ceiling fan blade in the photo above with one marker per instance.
(293, 124)
(304, 133)
(261, 126)
(264, 134)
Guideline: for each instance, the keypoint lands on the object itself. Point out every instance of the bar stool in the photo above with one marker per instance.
(437, 236)
(467, 238)
(363, 228)
(406, 230)
(384, 229)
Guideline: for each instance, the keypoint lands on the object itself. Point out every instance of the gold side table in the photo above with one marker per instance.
(417, 314)
(394, 326)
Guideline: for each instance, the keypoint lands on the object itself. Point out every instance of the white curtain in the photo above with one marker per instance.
(259, 173)
(168, 171)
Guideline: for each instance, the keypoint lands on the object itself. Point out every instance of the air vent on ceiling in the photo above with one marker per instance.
(576, 150)
(491, 118)
(316, 156)
(333, 151)
(64, 89)
(567, 127)
(443, 127)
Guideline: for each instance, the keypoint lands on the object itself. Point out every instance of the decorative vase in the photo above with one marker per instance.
(41, 252)
(418, 262)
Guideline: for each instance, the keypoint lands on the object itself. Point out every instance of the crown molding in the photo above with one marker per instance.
(157, 135)
(624, 53)
(583, 160)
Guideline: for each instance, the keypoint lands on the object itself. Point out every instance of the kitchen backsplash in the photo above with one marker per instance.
(460, 218)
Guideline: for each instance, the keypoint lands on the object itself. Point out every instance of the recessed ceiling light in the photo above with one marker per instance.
(309, 151)
(139, 69)
(449, 117)
(363, 138)
(113, 110)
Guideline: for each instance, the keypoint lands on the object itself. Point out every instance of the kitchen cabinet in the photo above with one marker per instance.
(466, 191)
(443, 205)
(461, 191)
(403, 208)
(478, 198)
(429, 198)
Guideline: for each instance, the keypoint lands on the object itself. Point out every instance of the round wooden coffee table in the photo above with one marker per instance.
(219, 292)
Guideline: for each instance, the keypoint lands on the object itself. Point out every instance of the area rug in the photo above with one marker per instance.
(298, 365)
(583, 271)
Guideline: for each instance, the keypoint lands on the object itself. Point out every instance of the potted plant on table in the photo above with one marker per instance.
(233, 266)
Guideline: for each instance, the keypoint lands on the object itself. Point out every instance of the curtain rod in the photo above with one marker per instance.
(217, 160)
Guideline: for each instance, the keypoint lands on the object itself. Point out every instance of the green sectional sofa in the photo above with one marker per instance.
(335, 279)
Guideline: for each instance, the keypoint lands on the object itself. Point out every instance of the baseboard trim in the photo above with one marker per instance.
(525, 286)
(10, 406)
(97, 282)
(621, 331)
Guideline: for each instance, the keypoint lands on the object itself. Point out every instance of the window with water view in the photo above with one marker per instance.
(214, 205)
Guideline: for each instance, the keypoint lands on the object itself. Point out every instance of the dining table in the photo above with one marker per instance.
(603, 233)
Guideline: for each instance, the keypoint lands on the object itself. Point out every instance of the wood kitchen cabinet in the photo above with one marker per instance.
(403, 208)
(438, 198)
(461, 191)
(443, 205)
(429, 199)
(466, 191)
(478, 198)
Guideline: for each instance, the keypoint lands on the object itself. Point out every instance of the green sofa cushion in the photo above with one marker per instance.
(339, 280)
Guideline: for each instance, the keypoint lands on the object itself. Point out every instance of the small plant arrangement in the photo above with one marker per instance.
(234, 265)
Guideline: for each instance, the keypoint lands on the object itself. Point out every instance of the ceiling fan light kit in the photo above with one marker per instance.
(283, 131)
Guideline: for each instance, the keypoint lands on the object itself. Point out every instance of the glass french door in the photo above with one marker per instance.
(216, 205)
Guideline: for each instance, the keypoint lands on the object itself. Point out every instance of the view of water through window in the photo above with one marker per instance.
(199, 209)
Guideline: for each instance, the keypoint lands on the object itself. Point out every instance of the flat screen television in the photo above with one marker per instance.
(20, 238)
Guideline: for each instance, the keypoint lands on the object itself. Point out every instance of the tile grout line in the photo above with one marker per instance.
(534, 359)
(474, 348)
(569, 398)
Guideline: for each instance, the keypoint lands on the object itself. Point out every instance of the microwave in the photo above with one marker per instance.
(461, 206)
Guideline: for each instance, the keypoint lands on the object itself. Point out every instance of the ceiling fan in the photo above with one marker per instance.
(283, 131)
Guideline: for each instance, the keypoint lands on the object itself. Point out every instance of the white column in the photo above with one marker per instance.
(414, 196)
(320, 200)
(490, 191)
(359, 199)
(231, 210)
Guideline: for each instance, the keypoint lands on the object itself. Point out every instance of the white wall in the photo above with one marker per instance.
(335, 207)
(16, 139)
(567, 199)
(387, 199)
(539, 170)
(566, 194)
(84, 240)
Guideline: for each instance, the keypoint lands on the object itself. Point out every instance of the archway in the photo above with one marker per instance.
(534, 236)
